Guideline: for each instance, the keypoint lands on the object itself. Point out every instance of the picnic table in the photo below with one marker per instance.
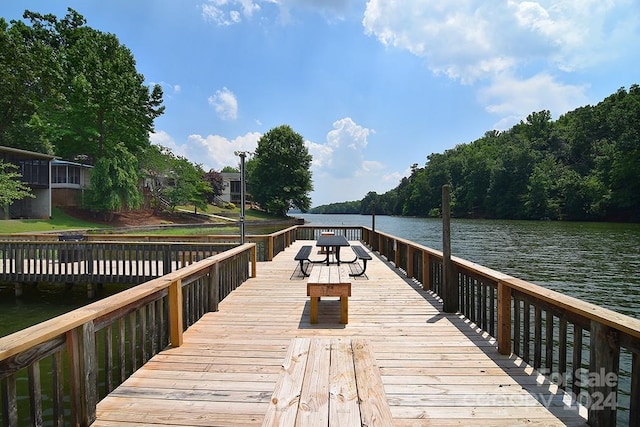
(332, 243)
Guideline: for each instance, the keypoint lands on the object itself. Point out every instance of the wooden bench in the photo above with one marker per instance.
(302, 256)
(329, 281)
(329, 382)
(361, 255)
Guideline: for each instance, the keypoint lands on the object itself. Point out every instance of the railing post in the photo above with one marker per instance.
(603, 375)
(634, 405)
(214, 286)
(396, 257)
(409, 261)
(254, 259)
(83, 372)
(426, 271)
(504, 318)
(270, 249)
(175, 313)
(450, 285)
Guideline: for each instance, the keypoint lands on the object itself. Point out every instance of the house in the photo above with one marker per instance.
(35, 169)
(69, 180)
(53, 182)
(232, 188)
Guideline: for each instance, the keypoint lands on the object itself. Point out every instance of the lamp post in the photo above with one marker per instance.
(242, 155)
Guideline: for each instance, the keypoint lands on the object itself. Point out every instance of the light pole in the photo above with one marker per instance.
(242, 155)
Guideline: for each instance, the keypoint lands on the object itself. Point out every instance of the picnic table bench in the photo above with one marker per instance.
(329, 382)
(302, 256)
(361, 254)
(329, 281)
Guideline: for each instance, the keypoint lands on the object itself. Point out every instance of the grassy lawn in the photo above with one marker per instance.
(59, 221)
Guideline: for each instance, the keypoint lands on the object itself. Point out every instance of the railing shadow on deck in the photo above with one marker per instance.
(542, 388)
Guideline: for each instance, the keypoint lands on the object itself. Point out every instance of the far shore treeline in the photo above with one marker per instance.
(585, 166)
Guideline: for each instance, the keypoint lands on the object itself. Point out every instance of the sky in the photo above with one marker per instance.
(372, 86)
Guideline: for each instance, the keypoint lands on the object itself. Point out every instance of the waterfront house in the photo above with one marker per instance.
(35, 169)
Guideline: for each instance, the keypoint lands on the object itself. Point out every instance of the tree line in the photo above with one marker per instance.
(71, 91)
(583, 166)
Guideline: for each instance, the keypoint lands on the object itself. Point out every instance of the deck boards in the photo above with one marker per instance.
(437, 369)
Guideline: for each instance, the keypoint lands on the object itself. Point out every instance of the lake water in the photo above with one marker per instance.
(596, 262)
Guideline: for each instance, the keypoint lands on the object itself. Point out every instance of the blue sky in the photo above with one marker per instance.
(372, 86)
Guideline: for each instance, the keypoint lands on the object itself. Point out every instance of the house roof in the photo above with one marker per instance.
(57, 162)
(25, 153)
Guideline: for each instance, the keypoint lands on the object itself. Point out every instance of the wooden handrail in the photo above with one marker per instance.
(498, 301)
(24, 339)
(156, 317)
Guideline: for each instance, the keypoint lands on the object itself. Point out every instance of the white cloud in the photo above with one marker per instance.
(532, 42)
(225, 103)
(212, 152)
(340, 169)
(514, 99)
(474, 39)
(229, 12)
(216, 152)
(163, 139)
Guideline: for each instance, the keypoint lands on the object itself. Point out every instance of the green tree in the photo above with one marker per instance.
(114, 183)
(190, 187)
(279, 172)
(11, 188)
(29, 74)
(72, 89)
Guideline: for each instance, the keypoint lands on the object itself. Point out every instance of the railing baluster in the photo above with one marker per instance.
(58, 389)
(549, 342)
(634, 404)
(9, 401)
(35, 393)
(562, 351)
(577, 360)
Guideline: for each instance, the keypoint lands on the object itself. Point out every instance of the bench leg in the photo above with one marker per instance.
(344, 310)
(313, 310)
(304, 273)
(364, 267)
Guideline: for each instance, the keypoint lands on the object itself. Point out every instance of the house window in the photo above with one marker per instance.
(65, 175)
(59, 174)
(35, 172)
(235, 187)
(74, 175)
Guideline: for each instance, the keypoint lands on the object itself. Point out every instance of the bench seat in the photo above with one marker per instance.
(362, 255)
(329, 381)
(302, 256)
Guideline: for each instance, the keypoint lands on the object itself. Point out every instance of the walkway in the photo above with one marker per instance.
(437, 369)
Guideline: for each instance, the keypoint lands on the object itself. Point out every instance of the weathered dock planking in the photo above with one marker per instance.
(437, 369)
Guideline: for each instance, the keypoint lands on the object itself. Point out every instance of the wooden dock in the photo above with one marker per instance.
(437, 369)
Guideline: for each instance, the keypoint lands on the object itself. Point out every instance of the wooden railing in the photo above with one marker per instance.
(591, 352)
(67, 364)
(98, 262)
(308, 232)
(267, 245)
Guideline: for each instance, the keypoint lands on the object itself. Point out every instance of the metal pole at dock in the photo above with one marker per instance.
(449, 285)
(243, 155)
